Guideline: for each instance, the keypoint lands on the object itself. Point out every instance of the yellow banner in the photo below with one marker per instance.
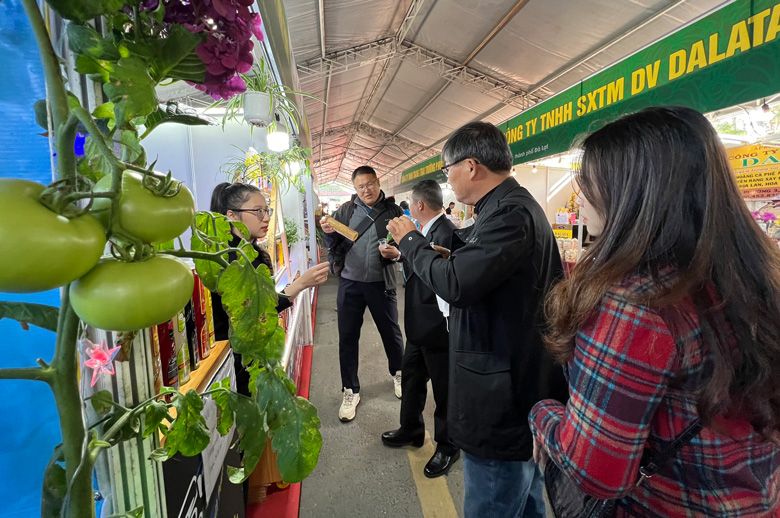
(757, 169)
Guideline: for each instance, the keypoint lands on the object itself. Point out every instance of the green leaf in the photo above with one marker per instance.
(26, 313)
(297, 440)
(131, 90)
(55, 487)
(252, 432)
(175, 112)
(153, 417)
(95, 443)
(272, 396)
(127, 431)
(97, 70)
(84, 10)
(167, 245)
(236, 475)
(250, 299)
(213, 234)
(159, 455)
(102, 402)
(224, 404)
(171, 60)
(41, 114)
(133, 152)
(254, 370)
(188, 433)
(104, 111)
(95, 161)
(84, 40)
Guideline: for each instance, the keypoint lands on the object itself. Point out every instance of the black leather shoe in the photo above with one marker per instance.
(398, 438)
(440, 464)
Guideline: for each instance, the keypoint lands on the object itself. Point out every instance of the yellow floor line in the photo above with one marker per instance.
(433, 492)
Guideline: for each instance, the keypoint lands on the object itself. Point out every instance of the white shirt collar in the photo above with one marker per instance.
(427, 227)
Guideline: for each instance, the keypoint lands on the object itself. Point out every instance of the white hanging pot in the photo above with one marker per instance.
(258, 108)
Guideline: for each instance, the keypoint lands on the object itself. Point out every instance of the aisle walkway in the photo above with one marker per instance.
(357, 476)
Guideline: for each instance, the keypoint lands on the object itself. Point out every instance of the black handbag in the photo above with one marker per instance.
(568, 501)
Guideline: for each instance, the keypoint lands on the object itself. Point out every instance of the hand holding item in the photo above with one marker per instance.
(341, 228)
(326, 226)
(400, 227)
(389, 252)
(314, 276)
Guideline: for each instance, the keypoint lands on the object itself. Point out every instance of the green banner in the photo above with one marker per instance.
(431, 167)
(730, 57)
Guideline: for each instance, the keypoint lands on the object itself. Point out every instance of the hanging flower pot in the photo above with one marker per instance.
(258, 108)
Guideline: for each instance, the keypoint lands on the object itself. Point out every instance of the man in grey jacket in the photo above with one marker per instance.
(366, 279)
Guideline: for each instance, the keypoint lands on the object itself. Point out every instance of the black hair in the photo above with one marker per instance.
(429, 192)
(404, 205)
(480, 140)
(228, 196)
(363, 169)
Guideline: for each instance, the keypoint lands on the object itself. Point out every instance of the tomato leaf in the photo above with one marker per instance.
(84, 40)
(153, 417)
(55, 487)
(127, 431)
(172, 111)
(138, 512)
(297, 440)
(160, 454)
(95, 161)
(254, 370)
(104, 111)
(84, 10)
(224, 410)
(133, 152)
(38, 315)
(211, 231)
(272, 395)
(97, 70)
(188, 433)
(252, 432)
(102, 402)
(131, 89)
(250, 300)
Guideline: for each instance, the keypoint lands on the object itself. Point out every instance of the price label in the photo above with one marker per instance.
(563, 233)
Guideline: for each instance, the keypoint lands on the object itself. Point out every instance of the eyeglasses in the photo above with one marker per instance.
(365, 187)
(259, 213)
(446, 168)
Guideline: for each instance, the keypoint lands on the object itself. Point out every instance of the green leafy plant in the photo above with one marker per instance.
(261, 79)
(140, 52)
(292, 231)
(275, 167)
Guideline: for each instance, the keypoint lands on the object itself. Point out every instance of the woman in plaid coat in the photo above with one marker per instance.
(673, 315)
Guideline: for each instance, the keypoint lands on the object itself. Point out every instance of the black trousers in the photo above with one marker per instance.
(353, 297)
(421, 364)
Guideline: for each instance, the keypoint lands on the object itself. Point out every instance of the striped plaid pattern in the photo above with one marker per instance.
(631, 385)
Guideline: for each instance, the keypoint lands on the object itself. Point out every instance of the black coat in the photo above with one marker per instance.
(424, 323)
(496, 279)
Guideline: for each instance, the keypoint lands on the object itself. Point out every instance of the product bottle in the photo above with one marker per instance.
(156, 361)
(209, 317)
(182, 351)
(170, 368)
(192, 336)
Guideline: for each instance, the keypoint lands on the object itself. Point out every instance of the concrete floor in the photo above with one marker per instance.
(357, 476)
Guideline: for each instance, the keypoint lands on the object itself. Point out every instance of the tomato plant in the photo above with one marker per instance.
(41, 249)
(152, 217)
(121, 296)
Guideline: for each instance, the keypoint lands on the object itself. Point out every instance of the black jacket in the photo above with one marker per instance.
(496, 279)
(424, 323)
(338, 246)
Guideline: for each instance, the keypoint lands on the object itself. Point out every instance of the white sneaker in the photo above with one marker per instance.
(397, 384)
(348, 405)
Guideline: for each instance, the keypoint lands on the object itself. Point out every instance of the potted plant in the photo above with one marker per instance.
(263, 99)
(275, 167)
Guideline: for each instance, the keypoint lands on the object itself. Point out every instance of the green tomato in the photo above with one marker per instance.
(120, 296)
(143, 214)
(41, 249)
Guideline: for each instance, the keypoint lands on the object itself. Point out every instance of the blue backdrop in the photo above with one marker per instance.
(29, 426)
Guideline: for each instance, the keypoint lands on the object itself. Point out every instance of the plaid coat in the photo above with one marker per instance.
(631, 390)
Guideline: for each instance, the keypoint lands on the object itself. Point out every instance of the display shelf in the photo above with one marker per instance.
(200, 377)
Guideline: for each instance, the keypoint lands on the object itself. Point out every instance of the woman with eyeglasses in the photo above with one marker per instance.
(671, 320)
(246, 203)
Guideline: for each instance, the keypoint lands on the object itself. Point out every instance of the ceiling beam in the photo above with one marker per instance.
(557, 75)
(501, 24)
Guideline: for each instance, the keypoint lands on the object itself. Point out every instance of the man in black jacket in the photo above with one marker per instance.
(427, 341)
(365, 279)
(495, 281)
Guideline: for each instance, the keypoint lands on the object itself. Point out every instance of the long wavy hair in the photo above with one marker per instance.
(662, 182)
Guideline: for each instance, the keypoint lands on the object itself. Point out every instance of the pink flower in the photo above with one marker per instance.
(768, 217)
(101, 359)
